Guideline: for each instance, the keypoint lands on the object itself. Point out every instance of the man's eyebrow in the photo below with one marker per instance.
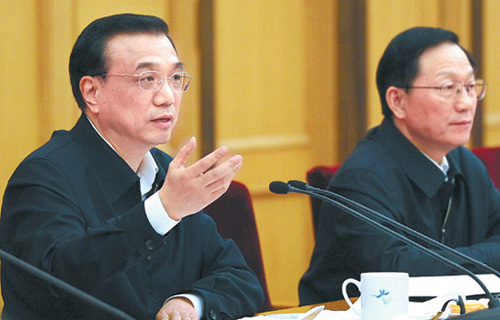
(179, 65)
(145, 65)
(150, 65)
(454, 73)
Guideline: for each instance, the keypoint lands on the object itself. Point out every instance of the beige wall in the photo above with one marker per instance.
(491, 63)
(275, 90)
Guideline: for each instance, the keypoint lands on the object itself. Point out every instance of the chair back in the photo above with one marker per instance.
(319, 177)
(491, 158)
(233, 212)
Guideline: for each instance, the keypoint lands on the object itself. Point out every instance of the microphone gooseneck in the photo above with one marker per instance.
(301, 187)
(47, 277)
(298, 184)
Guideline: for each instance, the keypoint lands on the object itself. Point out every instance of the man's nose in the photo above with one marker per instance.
(165, 95)
(465, 97)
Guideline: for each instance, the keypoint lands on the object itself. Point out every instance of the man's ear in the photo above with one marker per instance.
(89, 87)
(396, 98)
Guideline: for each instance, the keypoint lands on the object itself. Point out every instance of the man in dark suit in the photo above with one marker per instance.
(104, 210)
(413, 169)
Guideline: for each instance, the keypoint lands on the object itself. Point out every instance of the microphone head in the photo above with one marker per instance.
(298, 184)
(278, 187)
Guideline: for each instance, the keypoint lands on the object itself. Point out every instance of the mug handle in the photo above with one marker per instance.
(346, 296)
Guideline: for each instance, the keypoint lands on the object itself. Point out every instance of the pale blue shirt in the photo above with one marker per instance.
(155, 212)
(444, 166)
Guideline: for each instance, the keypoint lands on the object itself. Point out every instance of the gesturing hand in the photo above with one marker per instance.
(187, 190)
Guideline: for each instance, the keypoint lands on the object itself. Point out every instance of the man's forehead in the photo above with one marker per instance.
(133, 41)
(444, 55)
(141, 50)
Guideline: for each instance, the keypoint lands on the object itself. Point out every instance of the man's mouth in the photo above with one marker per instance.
(163, 120)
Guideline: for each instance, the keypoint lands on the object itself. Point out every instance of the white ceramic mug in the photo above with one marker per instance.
(384, 295)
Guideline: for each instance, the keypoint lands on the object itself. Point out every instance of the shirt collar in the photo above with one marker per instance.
(147, 172)
(444, 166)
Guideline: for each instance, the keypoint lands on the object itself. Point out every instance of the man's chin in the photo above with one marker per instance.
(160, 140)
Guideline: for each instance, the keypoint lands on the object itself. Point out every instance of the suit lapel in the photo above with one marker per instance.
(118, 180)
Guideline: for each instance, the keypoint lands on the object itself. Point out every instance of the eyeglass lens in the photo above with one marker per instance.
(473, 89)
(152, 81)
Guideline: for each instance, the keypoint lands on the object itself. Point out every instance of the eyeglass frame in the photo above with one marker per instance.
(462, 86)
(168, 79)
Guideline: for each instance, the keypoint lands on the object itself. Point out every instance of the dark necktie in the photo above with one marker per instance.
(155, 187)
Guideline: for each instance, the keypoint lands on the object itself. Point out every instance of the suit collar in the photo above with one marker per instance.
(425, 174)
(115, 174)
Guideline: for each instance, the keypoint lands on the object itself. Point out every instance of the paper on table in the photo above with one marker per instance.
(323, 315)
(308, 315)
(417, 310)
(438, 285)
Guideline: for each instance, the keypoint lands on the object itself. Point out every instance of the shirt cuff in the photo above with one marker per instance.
(196, 300)
(158, 216)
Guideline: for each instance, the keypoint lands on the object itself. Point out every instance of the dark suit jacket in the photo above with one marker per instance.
(387, 173)
(73, 208)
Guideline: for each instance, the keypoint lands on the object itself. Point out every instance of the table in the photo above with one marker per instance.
(340, 305)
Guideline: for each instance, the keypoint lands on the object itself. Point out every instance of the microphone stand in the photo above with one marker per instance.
(5, 256)
(493, 304)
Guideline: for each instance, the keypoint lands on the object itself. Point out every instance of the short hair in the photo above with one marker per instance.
(399, 64)
(88, 54)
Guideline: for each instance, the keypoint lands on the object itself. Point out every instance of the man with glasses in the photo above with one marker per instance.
(412, 168)
(104, 210)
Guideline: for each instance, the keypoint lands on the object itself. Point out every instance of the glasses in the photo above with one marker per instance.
(152, 81)
(452, 89)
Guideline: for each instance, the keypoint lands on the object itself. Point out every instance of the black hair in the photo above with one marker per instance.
(88, 54)
(400, 62)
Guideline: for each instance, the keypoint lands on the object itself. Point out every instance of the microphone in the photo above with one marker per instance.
(47, 277)
(293, 186)
(279, 187)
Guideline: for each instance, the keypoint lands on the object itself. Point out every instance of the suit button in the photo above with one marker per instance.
(150, 244)
(213, 315)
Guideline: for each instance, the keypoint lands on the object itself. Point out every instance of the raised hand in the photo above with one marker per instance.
(187, 190)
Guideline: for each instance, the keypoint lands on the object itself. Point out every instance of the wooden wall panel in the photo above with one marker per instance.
(183, 20)
(491, 65)
(20, 89)
(56, 36)
(322, 79)
(260, 112)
